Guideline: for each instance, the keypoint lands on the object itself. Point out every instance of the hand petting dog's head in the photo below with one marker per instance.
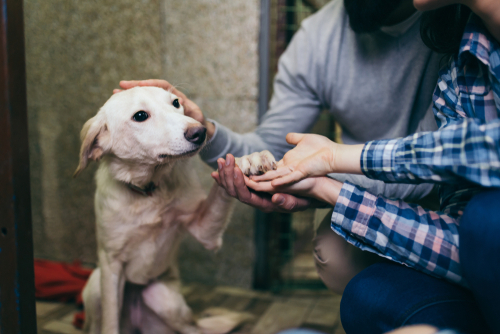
(143, 125)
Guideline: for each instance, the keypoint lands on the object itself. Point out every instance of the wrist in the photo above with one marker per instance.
(210, 129)
(327, 190)
(348, 159)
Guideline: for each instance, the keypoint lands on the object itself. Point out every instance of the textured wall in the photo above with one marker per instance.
(77, 51)
(212, 55)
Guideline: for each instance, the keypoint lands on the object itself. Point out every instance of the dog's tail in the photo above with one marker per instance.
(217, 320)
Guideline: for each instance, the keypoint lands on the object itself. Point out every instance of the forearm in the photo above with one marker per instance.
(465, 150)
(327, 190)
(404, 233)
(347, 159)
(406, 192)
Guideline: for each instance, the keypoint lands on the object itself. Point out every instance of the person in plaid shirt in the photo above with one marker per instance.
(463, 156)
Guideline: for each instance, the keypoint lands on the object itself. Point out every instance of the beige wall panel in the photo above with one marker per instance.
(211, 54)
(77, 51)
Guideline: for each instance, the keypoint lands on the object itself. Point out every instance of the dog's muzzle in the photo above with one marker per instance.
(196, 134)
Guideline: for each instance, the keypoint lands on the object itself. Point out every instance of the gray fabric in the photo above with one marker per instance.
(377, 86)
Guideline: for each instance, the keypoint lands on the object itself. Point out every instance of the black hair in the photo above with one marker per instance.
(442, 29)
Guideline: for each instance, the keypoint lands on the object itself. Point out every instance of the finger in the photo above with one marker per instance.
(127, 84)
(271, 175)
(260, 186)
(117, 91)
(260, 201)
(229, 175)
(293, 177)
(290, 203)
(216, 177)
(294, 138)
(240, 188)
(222, 178)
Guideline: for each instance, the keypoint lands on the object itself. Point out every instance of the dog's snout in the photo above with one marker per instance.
(196, 134)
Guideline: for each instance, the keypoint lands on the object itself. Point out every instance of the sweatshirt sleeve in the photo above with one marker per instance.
(294, 107)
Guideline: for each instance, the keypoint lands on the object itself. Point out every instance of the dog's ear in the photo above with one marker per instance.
(95, 141)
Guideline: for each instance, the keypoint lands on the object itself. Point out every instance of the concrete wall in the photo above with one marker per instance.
(211, 53)
(77, 51)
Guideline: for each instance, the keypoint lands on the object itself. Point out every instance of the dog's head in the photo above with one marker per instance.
(141, 125)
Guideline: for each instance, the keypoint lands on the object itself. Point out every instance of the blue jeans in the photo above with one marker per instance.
(386, 296)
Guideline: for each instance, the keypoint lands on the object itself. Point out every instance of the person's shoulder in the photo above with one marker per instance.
(331, 15)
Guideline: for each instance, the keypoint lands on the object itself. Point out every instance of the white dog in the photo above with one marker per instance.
(147, 198)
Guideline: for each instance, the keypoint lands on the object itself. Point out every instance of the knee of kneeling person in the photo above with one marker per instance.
(337, 261)
(333, 267)
(333, 276)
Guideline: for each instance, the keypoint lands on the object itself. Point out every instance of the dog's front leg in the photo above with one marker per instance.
(211, 218)
(112, 286)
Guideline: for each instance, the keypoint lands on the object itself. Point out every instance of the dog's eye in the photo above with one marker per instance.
(140, 116)
(176, 103)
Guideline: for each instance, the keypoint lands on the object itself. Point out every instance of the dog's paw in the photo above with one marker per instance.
(256, 163)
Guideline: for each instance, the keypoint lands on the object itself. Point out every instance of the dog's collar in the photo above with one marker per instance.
(146, 191)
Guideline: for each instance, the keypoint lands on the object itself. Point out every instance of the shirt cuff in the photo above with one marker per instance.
(217, 144)
(351, 217)
(354, 209)
(378, 159)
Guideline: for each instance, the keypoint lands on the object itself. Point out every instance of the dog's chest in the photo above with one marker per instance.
(150, 254)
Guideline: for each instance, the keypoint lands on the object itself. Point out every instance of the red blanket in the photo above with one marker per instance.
(61, 282)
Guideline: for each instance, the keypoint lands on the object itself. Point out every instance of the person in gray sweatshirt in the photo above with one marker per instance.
(364, 61)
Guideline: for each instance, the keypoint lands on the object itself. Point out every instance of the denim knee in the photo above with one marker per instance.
(386, 296)
(358, 309)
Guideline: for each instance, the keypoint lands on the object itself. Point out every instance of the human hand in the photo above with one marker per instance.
(313, 155)
(231, 178)
(322, 188)
(191, 109)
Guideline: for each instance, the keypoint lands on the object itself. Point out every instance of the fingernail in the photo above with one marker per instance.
(235, 175)
(219, 164)
(227, 160)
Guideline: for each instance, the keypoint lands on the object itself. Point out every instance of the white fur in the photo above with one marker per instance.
(136, 286)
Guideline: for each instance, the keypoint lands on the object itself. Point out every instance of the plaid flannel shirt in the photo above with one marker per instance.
(463, 155)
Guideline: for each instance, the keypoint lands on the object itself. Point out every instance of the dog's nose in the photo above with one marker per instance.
(196, 134)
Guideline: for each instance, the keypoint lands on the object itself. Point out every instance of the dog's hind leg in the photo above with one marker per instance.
(164, 298)
(92, 301)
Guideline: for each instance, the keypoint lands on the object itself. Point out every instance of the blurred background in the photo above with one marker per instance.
(76, 54)
(78, 51)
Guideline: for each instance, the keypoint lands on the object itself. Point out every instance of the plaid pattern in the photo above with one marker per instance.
(463, 155)
(405, 233)
(467, 110)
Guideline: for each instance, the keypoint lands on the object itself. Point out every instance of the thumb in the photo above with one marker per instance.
(294, 138)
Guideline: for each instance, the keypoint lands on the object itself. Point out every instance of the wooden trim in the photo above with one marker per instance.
(17, 291)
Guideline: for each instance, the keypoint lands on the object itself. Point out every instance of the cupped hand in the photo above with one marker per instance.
(191, 109)
(313, 155)
(230, 177)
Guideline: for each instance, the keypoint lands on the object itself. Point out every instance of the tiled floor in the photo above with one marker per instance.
(273, 312)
